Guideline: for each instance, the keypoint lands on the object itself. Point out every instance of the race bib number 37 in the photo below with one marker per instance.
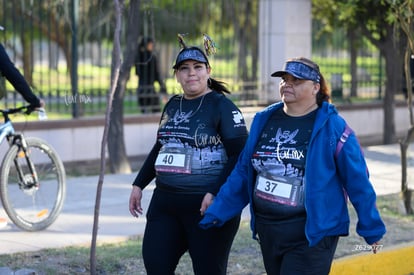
(283, 190)
(275, 188)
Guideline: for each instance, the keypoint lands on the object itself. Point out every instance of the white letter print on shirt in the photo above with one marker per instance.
(284, 138)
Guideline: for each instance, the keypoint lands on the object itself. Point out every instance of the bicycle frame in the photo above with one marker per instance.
(7, 131)
(32, 177)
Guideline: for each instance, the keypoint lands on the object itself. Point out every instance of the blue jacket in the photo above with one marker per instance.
(326, 178)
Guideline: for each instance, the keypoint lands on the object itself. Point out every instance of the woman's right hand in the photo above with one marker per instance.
(135, 201)
(207, 201)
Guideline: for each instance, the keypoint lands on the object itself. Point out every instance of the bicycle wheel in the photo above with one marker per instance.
(33, 207)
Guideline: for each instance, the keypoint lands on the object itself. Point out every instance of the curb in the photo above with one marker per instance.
(397, 260)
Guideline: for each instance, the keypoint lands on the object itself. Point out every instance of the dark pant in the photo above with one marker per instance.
(286, 250)
(172, 229)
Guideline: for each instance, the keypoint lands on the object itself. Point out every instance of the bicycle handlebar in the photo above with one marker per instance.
(29, 109)
(26, 109)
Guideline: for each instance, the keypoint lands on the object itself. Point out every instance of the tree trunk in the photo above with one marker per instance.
(393, 62)
(390, 49)
(406, 193)
(118, 160)
(115, 69)
(245, 29)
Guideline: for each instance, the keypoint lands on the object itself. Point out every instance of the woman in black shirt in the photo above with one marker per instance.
(200, 136)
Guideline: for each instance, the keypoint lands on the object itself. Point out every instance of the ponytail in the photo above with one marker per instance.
(324, 92)
(218, 86)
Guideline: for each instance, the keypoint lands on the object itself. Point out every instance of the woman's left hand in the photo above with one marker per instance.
(207, 200)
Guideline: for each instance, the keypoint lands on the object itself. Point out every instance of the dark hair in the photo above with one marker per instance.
(324, 92)
(218, 86)
(144, 42)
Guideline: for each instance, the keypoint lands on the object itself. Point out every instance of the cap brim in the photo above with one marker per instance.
(281, 73)
(201, 60)
(278, 73)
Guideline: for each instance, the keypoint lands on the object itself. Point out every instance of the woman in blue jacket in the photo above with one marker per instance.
(298, 168)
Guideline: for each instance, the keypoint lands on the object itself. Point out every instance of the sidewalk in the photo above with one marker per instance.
(74, 225)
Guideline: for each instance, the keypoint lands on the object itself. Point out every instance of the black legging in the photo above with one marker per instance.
(172, 229)
(286, 250)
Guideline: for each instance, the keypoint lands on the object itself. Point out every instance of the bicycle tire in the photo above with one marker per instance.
(33, 208)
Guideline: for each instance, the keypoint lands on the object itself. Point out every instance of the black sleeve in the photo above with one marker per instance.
(147, 172)
(232, 129)
(12, 74)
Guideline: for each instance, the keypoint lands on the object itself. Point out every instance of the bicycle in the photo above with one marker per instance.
(32, 177)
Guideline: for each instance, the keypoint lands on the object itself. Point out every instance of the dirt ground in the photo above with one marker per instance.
(245, 257)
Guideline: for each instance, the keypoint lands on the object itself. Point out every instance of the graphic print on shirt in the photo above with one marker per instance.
(279, 160)
(238, 118)
(178, 117)
(190, 138)
(280, 153)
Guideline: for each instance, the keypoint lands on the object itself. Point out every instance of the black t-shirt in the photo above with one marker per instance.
(279, 160)
(191, 134)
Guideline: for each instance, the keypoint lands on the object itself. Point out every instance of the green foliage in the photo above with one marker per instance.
(401, 15)
(359, 16)
(334, 65)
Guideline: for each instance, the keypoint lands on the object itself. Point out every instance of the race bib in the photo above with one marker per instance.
(279, 189)
(174, 160)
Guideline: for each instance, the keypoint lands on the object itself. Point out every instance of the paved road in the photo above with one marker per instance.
(74, 225)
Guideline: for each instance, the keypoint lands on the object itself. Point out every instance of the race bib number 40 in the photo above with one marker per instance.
(284, 190)
(174, 160)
